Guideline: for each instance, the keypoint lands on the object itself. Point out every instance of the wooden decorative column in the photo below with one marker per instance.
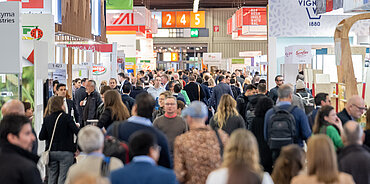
(69, 70)
(345, 72)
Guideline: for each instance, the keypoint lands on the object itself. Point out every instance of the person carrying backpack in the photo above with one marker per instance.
(307, 98)
(252, 102)
(284, 123)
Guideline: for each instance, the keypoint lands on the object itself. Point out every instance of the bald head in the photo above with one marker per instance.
(355, 106)
(352, 133)
(14, 107)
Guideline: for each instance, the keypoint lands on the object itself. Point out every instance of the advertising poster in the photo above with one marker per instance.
(119, 4)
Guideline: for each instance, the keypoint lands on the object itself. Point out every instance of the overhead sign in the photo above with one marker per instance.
(237, 61)
(254, 16)
(212, 57)
(119, 4)
(55, 66)
(98, 70)
(174, 56)
(92, 47)
(298, 54)
(10, 45)
(183, 19)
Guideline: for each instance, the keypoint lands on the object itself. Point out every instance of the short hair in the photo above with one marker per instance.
(276, 78)
(192, 78)
(55, 82)
(165, 76)
(171, 97)
(121, 75)
(113, 79)
(320, 97)
(220, 78)
(261, 87)
(93, 82)
(27, 105)
(90, 139)
(145, 104)
(77, 79)
(285, 91)
(126, 88)
(232, 81)
(12, 124)
(166, 94)
(250, 87)
(262, 81)
(177, 88)
(140, 142)
(353, 136)
(103, 89)
(83, 80)
(180, 104)
(199, 80)
(139, 83)
(60, 85)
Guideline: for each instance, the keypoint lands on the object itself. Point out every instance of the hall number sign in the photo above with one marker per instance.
(183, 19)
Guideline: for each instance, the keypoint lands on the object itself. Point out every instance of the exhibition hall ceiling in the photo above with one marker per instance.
(188, 4)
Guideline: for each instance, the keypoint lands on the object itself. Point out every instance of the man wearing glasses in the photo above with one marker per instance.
(273, 94)
(353, 110)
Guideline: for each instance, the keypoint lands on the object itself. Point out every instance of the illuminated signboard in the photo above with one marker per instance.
(183, 19)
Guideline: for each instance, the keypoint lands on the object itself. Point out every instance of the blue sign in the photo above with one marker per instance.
(323, 51)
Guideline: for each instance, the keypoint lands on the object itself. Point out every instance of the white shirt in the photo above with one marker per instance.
(155, 92)
(65, 104)
(221, 175)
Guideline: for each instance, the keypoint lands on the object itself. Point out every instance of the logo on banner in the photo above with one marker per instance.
(311, 10)
(32, 33)
(301, 53)
(98, 70)
(128, 17)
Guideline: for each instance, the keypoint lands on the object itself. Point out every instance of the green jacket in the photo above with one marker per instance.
(187, 100)
(333, 134)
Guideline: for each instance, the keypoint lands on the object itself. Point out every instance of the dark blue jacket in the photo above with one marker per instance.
(218, 91)
(344, 116)
(303, 128)
(127, 128)
(143, 173)
(273, 94)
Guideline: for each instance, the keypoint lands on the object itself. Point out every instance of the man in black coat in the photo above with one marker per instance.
(126, 99)
(68, 104)
(353, 110)
(243, 100)
(138, 89)
(354, 158)
(194, 90)
(91, 102)
(18, 164)
(273, 94)
(219, 90)
(80, 95)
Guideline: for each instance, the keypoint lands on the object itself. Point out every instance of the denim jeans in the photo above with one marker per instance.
(59, 163)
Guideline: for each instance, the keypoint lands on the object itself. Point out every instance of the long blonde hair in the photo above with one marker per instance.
(322, 159)
(225, 109)
(113, 101)
(242, 150)
(55, 104)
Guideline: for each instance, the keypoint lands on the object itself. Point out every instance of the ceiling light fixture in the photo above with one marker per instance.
(195, 6)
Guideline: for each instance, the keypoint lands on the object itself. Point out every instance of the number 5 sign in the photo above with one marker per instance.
(197, 19)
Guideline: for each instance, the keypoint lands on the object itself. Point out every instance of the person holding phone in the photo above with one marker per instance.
(327, 122)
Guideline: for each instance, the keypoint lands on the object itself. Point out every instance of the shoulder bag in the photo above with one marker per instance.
(44, 159)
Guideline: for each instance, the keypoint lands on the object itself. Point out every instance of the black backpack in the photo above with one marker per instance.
(281, 128)
(113, 147)
(249, 116)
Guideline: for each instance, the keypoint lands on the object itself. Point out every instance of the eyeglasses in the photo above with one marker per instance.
(360, 108)
(169, 104)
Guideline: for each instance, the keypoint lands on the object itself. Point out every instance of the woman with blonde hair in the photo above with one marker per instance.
(227, 117)
(289, 163)
(322, 164)
(62, 146)
(241, 158)
(114, 109)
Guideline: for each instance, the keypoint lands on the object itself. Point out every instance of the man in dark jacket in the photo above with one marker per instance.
(18, 164)
(321, 99)
(80, 95)
(252, 102)
(273, 94)
(141, 120)
(219, 90)
(354, 158)
(91, 102)
(194, 90)
(353, 110)
(243, 100)
(126, 99)
(69, 105)
(138, 89)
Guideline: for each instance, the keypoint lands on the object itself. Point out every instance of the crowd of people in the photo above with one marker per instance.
(190, 127)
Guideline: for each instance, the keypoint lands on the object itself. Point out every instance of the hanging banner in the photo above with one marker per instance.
(254, 16)
(92, 47)
(35, 6)
(298, 54)
(10, 45)
(119, 4)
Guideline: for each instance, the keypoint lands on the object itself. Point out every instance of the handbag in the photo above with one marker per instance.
(44, 159)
